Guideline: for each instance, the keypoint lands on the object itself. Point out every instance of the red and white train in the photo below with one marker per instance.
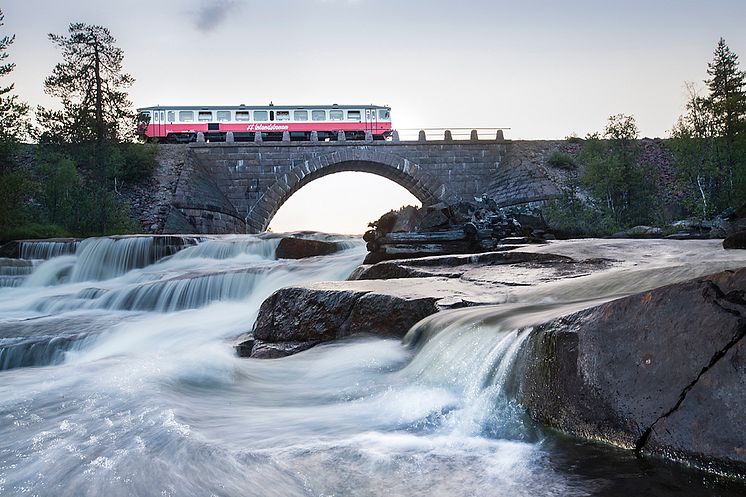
(181, 124)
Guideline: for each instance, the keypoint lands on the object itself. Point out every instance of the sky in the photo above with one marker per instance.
(543, 68)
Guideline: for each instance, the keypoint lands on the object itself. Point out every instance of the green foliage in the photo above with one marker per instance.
(572, 215)
(113, 161)
(72, 190)
(562, 160)
(135, 161)
(92, 86)
(15, 188)
(16, 185)
(14, 122)
(78, 201)
(612, 190)
(620, 187)
(31, 230)
(709, 139)
(727, 100)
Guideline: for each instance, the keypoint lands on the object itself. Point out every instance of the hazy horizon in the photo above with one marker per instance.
(544, 69)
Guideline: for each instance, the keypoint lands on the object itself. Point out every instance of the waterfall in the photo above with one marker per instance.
(121, 379)
(135, 275)
(47, 249)
(14, 271)
(104, 258)
(52, 272)
(262, 248)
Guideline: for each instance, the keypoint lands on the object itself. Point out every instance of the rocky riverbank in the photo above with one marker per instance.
(654, 369)
(659, 372)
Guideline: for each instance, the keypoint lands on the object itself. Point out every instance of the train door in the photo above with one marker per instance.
(371, 121)
(162, 128)
(159, 121)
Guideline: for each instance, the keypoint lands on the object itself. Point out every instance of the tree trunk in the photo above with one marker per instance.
(99, 97)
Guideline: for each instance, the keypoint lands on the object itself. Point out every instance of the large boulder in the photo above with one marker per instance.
(735, 241)
(661, 372)
(300, 248)
(295, 318)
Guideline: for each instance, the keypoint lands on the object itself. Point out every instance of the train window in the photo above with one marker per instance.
(144, 117)
(204, 116)
(171, 116)
(186, 116)
(336, 115)
(353, 115)
(261, 115)
(318, 115)
(384, 114)
(283, 115)
(242, 115)
(300, 115)
(224, 115)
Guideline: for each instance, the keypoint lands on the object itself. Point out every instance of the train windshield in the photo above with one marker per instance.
(384, 114)
(143, 117)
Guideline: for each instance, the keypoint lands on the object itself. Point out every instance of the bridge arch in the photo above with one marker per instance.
(426, 188)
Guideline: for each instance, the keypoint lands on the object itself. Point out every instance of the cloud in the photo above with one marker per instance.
(212, 13)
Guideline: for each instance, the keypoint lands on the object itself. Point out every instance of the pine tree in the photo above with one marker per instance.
(727, 85)
(727, 105)
(92, 87)
(14, 122)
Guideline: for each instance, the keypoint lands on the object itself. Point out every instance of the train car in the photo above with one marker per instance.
(181, 124)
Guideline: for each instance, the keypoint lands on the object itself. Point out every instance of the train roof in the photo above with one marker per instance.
(261, 107)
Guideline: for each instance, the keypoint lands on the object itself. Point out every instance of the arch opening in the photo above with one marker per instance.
(426, 189)
(343, 202)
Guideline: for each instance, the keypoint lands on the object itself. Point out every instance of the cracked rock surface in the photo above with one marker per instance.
(662, 371)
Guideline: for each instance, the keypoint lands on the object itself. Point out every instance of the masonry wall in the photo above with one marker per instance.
(223, 184)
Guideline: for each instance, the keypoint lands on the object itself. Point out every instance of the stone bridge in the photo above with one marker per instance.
(234, 187)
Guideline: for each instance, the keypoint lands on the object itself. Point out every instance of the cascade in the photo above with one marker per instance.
(118, 377)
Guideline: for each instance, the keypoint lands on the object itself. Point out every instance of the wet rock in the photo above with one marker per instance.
(300, 248)
(639, 232)
(452, 266)
(387, 315)
(461, 228)
(301, 314)
(735, 241)
(660, 371)
(244, 345)
(267, 350)
(435, 217)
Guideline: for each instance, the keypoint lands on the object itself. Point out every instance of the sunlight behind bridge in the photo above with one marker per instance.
(341, 203)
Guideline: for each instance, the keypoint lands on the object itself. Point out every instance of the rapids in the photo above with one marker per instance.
(118, 378)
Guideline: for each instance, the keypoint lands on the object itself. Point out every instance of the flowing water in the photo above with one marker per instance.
(118, 378)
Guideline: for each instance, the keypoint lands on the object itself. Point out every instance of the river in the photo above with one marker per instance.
(118, 377)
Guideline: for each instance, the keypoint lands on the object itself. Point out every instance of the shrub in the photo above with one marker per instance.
(562, 160)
